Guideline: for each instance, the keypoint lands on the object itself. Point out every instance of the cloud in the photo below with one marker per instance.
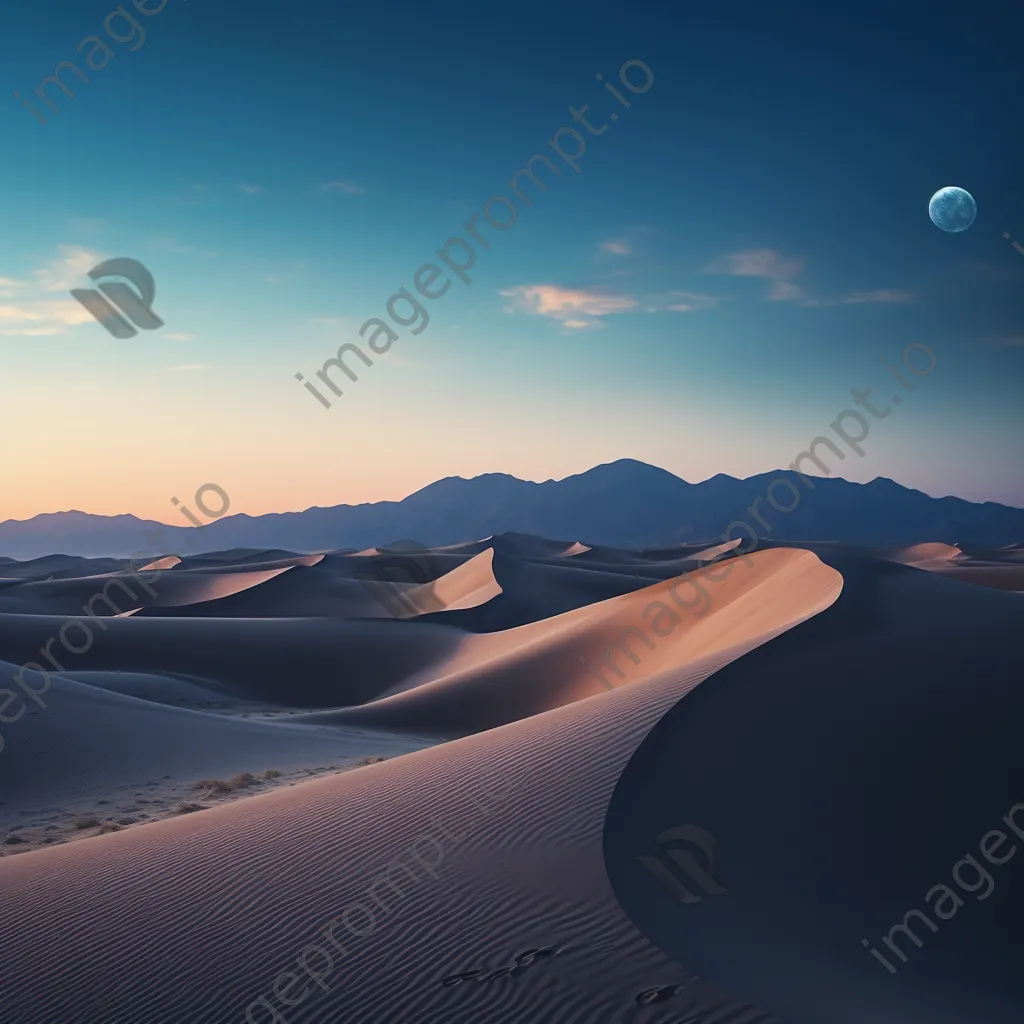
(344, 186)
(783, 291)
(33, 309)
(42, 317)
(617, 246)
(882, 295)
(189, 367)
(171, 245)
(771, 265)
(9, 287)
(170, 336)
(251, 190)
(1010, 342)
(580, 325)
(682, 302)
(65, 271)
(565, 304)
(768, 264)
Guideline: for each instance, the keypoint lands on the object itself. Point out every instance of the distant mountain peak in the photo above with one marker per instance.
(624, 503)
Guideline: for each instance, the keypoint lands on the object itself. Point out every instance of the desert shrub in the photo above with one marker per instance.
(213, 786)
(86, 821)
(188, 808)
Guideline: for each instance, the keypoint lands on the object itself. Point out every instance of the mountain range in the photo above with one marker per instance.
(620, 504)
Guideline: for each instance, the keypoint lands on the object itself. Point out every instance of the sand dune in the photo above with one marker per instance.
(873, 748)
(1001, 569)
(500, 677)
(549, 759)
(575, 549)
(923, 555)
(477, 874)
(467, 586)
(159, 564)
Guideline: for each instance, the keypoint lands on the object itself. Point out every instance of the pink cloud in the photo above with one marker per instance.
(565, 304)
(618, 246)
(766, 263)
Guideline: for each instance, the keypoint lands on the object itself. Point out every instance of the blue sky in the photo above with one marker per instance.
(743, 245)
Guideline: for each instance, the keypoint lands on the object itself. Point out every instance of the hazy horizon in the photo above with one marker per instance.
(169, 519)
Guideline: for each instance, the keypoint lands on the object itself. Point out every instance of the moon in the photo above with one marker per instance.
(952, 209)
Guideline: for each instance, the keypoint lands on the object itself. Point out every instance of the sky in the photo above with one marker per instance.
(739, 248)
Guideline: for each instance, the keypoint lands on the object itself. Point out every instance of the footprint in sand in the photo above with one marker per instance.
(659, 995)
(522, 961)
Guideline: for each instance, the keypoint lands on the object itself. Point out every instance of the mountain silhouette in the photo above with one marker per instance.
(620, 504)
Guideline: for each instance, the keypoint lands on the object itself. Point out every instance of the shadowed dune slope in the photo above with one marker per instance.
(519, 869)
(311, 663)
(868, 751)
(91, 741)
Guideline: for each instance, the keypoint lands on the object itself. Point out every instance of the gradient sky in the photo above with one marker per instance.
(742, 247)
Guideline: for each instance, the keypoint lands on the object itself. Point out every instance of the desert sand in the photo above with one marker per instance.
(505, 698)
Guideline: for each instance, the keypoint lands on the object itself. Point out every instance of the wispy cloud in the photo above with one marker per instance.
(190, 367)
(171, 244)
(65, 271)
(617, 246)
(771, 265)
(885, 296)
(86, 224)
(343, 186)
(882, 295)
(784, 291)
(582, 308)
(251, 189)
(767, 264)
(42, 317)
(9, 287)
(172, 336)
(681, 302)
(33, 312)
(568, 305)
(1017, 342)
